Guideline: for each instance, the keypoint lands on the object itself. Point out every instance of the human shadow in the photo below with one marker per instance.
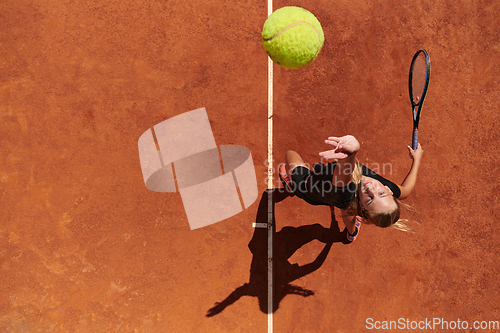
(284, 244)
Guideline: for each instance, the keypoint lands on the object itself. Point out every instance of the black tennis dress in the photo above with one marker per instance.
(316, 186)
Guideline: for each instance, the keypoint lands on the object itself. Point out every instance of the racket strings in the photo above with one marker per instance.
(419, 77)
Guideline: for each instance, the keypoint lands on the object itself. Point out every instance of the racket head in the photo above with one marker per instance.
(420, 72)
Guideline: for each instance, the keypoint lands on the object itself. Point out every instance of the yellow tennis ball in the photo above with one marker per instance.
(292, 37)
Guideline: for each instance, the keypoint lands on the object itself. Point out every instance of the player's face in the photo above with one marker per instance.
(375, 197)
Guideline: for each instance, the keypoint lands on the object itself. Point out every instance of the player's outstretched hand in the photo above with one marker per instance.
(416, 154)
(341, 147)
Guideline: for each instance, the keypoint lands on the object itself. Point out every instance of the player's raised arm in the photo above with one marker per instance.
(411, 179)
(344, 149)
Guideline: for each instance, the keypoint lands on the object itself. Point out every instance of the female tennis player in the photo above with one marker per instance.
(363, 195)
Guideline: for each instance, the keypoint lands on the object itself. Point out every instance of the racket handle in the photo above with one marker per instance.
(414, 141)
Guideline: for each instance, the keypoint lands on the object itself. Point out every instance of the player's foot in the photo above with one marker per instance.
(352, 237)
(284, 178)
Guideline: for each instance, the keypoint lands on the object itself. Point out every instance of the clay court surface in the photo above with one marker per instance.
(86, 247)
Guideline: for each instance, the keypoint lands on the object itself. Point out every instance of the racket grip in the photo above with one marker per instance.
(414, 142)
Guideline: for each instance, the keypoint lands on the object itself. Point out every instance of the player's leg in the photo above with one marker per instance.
(293, 160)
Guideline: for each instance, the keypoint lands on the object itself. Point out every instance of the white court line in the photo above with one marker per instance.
(270, 186)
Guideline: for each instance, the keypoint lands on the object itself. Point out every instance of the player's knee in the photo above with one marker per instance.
(293, 159)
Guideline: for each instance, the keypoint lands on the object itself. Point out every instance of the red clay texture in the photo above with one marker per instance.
(86, 247)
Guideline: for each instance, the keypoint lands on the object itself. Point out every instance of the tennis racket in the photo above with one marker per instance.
(420, 72)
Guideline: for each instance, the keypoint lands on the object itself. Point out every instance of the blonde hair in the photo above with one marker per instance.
(382, 220)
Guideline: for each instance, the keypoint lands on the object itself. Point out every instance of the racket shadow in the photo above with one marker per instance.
(285, 243)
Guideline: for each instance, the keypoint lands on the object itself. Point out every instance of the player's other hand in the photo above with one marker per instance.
(342, 147)
(416, 154)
